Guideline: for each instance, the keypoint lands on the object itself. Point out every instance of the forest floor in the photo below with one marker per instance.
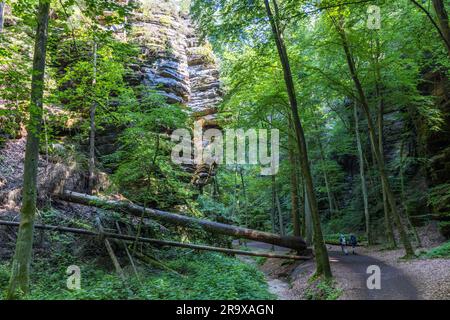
(400, 279)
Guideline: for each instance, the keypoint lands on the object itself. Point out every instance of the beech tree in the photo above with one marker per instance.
(379, 158)
(20, 273)
(322, 262)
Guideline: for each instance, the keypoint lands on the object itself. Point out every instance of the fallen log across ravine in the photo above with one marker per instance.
(159, 242)
(290, 242)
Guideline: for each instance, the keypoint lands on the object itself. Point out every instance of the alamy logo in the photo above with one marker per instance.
(374, 20)
(374, 280)
(212, 147)
(74, 277)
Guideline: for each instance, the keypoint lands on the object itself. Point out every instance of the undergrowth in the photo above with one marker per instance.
(322, 289)
(443, 251)
(193, 276)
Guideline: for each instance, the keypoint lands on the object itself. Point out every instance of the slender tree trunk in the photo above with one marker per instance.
(216, 194)
(375, 148)
(303, 212)
(321, 254)
(235, 195)
(280, 213)
(405, 204)
(363, 177)
(294, 194)
(244, 194)
(22, 258)
(325, 174)
(380, 124)
(442, 26)
(110, 251)
(2, 15)
(387, 214)
(92, 110)
(274, 205)
(443, 20)
(272, 212)
(309, 231)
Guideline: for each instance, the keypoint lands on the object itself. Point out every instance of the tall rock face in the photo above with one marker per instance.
(435, 146)
(173, 60)
(177, 64)
(408, 138)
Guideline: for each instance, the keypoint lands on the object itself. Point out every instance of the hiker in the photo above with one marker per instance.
(353, 242)
(343, 243)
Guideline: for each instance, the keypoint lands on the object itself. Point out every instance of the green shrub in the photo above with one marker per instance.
(322, 290)
(443, 251)
(4, 277)
(206, 276)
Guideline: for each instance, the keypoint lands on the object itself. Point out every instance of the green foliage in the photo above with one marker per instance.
(439, 200)
(144, 170)
(201, 276)
(260, 260)
(443, 251)
(322, 290)
(4, 275)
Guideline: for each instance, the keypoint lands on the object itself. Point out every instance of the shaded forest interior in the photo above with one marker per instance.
(92, 93)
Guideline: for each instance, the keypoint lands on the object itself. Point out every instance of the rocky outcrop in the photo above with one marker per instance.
(178, 65)
(173, 60)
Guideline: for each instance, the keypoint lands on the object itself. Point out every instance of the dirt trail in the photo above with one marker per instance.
(350, 272)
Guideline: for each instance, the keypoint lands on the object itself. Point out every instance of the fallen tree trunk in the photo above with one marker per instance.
(291, 242)
(159, 242)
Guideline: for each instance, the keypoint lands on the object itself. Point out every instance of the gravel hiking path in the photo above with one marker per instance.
(395, 284)
(350, 271)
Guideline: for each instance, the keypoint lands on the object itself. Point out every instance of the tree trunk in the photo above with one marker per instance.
(22, 258)
(110, 251)
(276, 207)
(280, 214)
(380, 123)
(363, 177)
(387, 213)
(273, 212)
(375, 148)
(2, 15)
(161, 242)
(444, 25)
(186, 221)
(325, 174)
(244, 194)
(127, 251)
(92, 110)
(309, 232)
(301, 201)
(405, 204)
(294, 193)
(321, 254)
